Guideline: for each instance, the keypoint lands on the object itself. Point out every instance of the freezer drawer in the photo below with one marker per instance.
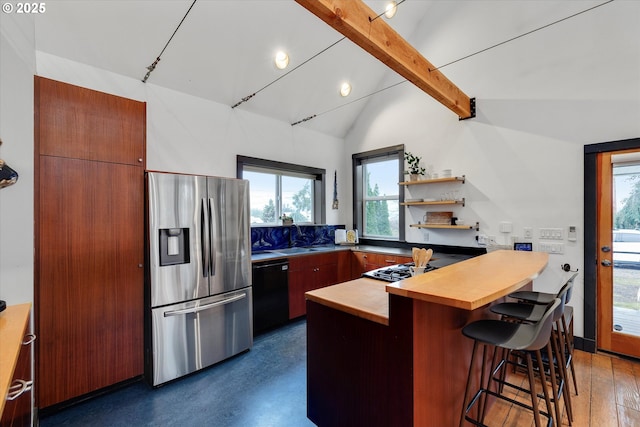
(193, 335)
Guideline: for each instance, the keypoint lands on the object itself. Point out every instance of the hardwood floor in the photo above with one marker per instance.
(609, 395)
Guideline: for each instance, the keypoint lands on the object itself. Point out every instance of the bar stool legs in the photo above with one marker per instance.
(481, 396)
(508, 339)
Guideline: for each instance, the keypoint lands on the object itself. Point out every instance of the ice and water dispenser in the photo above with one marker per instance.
(174, 246)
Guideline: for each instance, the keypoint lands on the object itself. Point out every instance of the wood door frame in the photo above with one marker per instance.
(588, 342)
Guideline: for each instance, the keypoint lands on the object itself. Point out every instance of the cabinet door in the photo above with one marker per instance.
(344, 266)
(306, 273)
(324, 275)
(298, 282)
(80, 123)
(358, 262)
(90, 278)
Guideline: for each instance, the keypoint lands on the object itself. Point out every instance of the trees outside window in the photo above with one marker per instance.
(377, 211)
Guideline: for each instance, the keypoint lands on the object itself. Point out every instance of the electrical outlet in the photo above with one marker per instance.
(492, 240)
(482, 240)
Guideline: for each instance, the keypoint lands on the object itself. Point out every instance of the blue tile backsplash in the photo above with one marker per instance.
(282, 237)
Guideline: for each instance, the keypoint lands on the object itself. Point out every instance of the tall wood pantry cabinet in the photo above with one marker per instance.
(89, 240)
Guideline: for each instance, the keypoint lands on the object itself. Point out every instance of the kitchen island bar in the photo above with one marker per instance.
(384, 354)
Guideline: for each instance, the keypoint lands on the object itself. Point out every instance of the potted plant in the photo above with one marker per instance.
(286, 219)
(415, 170)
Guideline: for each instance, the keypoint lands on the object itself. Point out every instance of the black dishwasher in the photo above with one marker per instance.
(270, 294)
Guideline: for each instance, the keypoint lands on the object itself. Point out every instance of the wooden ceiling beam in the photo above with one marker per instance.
(356, 21)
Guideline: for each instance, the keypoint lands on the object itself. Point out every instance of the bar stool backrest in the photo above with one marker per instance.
(543, 327)
(569, 284)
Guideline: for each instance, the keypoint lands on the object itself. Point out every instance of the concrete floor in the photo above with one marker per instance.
(265, 387)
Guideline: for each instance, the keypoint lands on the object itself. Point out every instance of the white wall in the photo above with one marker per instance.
(17, 65)
(540, 99)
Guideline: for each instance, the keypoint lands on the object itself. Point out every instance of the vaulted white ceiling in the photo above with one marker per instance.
(223, 51)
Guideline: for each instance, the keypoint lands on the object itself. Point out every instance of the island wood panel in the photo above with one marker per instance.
(90, 291)
(350, 379)
(86, 124)
(441, 357)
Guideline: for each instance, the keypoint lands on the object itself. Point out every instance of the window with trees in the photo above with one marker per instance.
(376, 177)
(278, 189)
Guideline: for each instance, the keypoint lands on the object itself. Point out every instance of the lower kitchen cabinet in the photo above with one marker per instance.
(367, 261)
(309, 272)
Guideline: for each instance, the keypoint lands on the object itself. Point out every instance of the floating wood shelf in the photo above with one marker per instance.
(435, 181)
(435, 202)
(454, 227)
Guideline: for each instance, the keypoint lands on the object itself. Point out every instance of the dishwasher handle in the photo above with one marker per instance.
(205, 307)
(284, 265)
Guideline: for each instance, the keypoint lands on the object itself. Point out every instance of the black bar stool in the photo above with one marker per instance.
(505, 338)
(545, 298)
(526, 312)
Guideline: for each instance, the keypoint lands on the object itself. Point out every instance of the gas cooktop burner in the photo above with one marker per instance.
(394, 273)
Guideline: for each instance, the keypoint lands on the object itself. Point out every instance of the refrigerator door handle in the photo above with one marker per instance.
(212, 249)
(204, 237)
(205, 307)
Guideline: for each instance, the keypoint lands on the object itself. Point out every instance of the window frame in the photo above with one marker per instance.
(294, 170)
(357, 161)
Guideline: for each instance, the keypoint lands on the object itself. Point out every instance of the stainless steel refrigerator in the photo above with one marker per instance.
(198, 294)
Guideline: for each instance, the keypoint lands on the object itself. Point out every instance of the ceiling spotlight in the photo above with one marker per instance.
(391, 9)
(345, 89)
(281, 60)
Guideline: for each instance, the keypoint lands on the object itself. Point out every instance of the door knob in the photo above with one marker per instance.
(605, 249)
(606, 263)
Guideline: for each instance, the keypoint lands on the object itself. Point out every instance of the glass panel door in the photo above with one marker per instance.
(618, 268)
(626, 248)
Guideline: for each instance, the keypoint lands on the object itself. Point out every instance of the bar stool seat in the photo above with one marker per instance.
(506, 337)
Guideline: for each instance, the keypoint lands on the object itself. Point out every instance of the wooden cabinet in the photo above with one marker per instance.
(367, 261)
(309, 272)
(78, 123)
(17, 406)
(89, 204)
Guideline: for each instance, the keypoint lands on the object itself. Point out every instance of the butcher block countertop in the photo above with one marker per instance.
(468, 284)
(13, 324)
(362, 297)
(475, 282)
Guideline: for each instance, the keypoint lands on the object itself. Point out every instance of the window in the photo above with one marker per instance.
(376, 175)
(278, 188)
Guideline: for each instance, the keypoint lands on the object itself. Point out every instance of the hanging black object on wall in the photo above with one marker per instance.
(7, 175)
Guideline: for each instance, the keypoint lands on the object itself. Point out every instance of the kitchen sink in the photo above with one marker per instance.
(292, 250)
